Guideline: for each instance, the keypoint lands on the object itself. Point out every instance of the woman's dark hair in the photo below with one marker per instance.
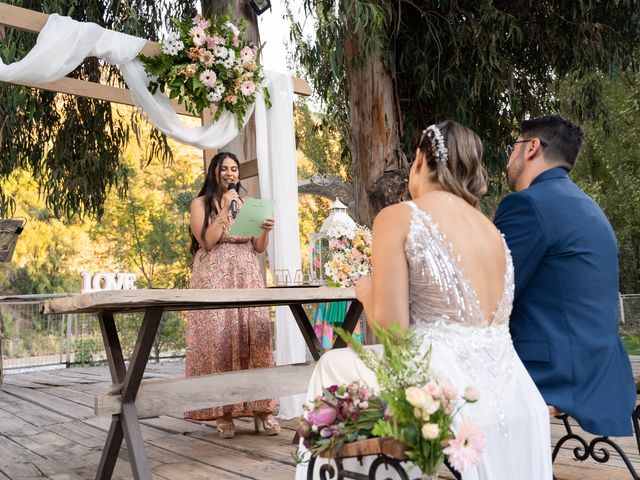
(210, 189)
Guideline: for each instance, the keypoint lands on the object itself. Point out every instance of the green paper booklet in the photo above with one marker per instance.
(252, 214)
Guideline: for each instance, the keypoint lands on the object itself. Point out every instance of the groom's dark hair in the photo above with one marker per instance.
(561, 139)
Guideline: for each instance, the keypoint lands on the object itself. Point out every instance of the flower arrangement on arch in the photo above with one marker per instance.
(420, 404)
(349, 255)
(205, 64)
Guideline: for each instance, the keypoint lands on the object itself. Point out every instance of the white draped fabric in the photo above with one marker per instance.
(64, 43)
(278, 180)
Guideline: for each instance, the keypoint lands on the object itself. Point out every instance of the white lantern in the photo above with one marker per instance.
(319, 242)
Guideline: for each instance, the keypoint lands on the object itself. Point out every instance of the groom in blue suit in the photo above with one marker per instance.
(565, 312)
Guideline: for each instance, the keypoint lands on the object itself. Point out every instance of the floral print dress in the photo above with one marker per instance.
(228, 339)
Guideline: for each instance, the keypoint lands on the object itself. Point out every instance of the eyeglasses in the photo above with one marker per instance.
(510, 148)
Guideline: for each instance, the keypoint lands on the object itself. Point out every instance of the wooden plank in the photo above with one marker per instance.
(75, 396)
(162, 397)
(50, 402)
(12, 425)
(22, 18)
(226, 459)
(99, 91)
(12, 452)
(193, 299)
(48, 444)
(301, 87)
(24, 410)
(248, 169)
(80, 432)
(193, 471)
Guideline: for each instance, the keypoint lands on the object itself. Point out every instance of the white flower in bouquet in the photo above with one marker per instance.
(221, 52)
(233, 28)
(430, 431)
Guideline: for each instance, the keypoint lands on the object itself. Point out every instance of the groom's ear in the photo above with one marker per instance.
(533, 148)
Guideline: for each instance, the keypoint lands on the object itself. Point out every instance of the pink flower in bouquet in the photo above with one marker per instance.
(448, 388)
(471, 394)
(213, 42)
(201, 22)
(323, 415)
(465, 450)
(198, 35)
(433, 389)
(248, 88)
(208, 78)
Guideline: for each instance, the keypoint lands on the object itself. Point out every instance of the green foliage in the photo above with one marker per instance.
(320, 142)
(485, 64)
(234, 74)
(608, 168)
(71, 144)
(147, 232)
(415, 398)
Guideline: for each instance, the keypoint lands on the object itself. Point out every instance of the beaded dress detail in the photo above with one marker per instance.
(445, 309)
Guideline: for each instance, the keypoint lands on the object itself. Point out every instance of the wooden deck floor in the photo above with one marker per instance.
(48, 430)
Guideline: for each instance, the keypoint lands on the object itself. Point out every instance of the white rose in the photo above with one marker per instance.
(430, 431)
(414, 396)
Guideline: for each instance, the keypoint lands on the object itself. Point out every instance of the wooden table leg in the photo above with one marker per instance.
(126, 424)
(350, 321)
(307, 330)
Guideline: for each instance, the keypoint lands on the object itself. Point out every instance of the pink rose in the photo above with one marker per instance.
(471, 394)
(323, 415)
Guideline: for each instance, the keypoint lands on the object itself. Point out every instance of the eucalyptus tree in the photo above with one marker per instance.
(72, 145)
(386, 70)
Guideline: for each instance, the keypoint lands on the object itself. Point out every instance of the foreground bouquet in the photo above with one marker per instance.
(205, 64)
(350, 255)
(420, 406)
(343, 413)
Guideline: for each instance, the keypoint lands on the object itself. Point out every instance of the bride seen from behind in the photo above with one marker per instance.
(442, 268)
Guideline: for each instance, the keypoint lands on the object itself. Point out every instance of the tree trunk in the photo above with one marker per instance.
(379, 173)
(244, 145)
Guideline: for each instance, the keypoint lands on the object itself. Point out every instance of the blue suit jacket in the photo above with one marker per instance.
(565, 313)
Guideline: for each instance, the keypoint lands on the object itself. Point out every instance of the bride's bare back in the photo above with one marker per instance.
(454, 258)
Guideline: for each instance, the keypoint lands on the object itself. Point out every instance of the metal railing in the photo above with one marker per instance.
(30, 339)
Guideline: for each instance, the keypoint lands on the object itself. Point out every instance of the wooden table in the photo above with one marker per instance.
(129, 400)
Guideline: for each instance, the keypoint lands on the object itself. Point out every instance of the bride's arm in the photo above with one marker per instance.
(385, 295)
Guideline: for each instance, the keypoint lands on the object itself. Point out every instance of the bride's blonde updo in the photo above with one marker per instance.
(457, 167)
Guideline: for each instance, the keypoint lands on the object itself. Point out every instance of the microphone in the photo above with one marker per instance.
(234, 204)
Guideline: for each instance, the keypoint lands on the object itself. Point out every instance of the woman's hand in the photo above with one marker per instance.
(260, 243)
(268, 225)
(227, 198)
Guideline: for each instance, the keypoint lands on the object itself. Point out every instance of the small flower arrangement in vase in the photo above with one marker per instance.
(205, 64)
(349, 255)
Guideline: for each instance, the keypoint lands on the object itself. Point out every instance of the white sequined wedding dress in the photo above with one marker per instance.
(470, 351)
